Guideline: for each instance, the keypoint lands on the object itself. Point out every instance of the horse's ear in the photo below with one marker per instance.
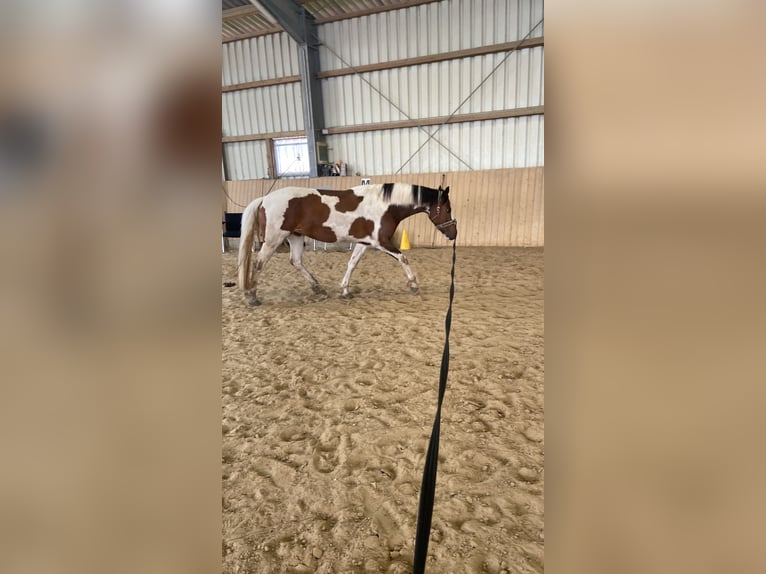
(446, 191)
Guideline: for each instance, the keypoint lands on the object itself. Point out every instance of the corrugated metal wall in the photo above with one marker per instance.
(427, 29)
(247, 160)
(433, 90)
(503, 207)
(259, 110)
(260, 58)
(436, 89)
(422, 91)
(263, 110)
(512, 142)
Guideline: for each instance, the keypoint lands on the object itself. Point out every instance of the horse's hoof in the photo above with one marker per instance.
(347, 295)
(415, 290)
(319, 290)
(253, 302)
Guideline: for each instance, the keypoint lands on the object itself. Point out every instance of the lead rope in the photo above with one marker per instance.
(428, 486)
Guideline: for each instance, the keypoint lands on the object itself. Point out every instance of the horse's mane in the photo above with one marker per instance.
(408, 194)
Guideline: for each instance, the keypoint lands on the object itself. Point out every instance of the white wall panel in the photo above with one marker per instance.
(427, 29)
(433, 90)
(258, 110)
(504, 143)
(437, 89)
(246, 160)
(267, 109)
(262, 110)
(260, 58)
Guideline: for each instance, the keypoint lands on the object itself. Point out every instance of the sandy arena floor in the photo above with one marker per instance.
(328, 405)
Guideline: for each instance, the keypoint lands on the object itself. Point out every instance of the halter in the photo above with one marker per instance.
(439, 226)
(445, 224)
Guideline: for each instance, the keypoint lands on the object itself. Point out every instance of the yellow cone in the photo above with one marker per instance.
(405, 244)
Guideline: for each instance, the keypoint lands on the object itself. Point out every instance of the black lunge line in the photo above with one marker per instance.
(428, 486)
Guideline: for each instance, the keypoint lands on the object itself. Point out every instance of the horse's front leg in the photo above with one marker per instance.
(412, 282)
(359, 250)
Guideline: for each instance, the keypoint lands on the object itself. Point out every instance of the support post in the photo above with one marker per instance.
(301, 26)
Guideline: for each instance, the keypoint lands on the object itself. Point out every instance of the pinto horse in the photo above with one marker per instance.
(366, 215)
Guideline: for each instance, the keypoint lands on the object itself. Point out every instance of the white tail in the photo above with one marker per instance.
(247, 236)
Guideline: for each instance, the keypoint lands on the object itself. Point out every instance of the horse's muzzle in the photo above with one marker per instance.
(445, 228)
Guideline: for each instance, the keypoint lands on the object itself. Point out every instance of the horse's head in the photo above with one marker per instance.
(440, 214)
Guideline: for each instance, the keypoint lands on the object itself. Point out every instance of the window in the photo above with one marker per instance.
(291, 156)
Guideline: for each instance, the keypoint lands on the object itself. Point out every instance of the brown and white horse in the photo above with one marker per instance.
(366, 215)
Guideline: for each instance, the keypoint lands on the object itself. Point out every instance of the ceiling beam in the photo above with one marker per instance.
(234, 13)
(368, 11)
(254, 34)
(291, 16)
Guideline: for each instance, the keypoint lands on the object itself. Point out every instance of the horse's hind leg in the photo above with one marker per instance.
(296, 259)
(359, 250)
(267, 250)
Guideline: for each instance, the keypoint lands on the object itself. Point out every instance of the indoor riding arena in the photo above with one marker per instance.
(328, 402)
